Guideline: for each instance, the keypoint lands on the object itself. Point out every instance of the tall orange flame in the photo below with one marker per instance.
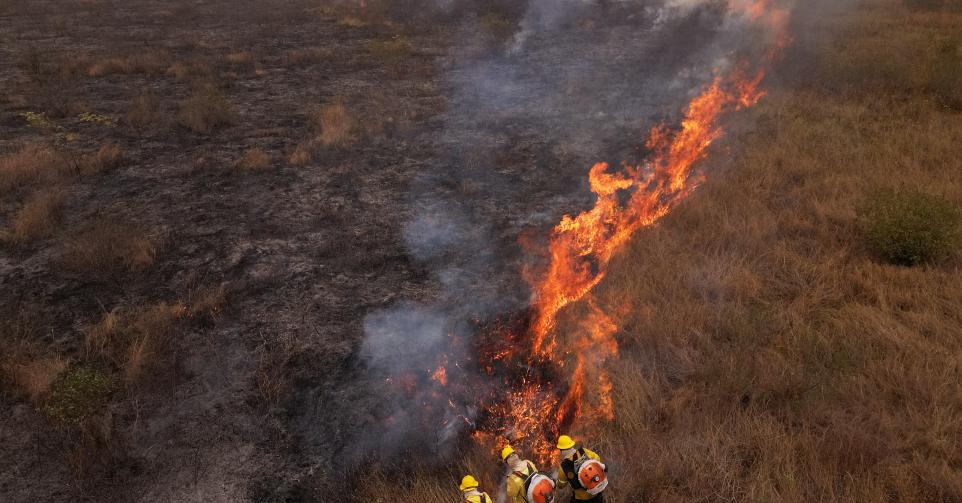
(581, 247)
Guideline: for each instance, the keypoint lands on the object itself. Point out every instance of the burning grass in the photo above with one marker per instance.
(765, 354)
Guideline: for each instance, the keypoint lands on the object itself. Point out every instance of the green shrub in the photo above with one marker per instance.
(909, 227)
(81, 393)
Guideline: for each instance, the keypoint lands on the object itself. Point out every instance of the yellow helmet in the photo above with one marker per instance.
(469, 482)
(565, 442)
(507, 451)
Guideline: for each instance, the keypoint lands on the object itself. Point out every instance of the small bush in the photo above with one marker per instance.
(81, 393)
(38, 216)
(909, 227)
(206, 111)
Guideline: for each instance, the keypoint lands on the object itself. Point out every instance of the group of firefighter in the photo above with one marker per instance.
(580, 468)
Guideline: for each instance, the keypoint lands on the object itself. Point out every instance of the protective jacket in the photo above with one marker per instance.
(567, 472)
(514, 483)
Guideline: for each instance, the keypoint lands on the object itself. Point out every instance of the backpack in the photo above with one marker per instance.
(538, 487)
(585, 473)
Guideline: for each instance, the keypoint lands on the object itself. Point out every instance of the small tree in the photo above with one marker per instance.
(909, 227)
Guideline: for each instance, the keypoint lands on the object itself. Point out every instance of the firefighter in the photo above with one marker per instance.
(524, 483)
(470, 492)
(583, 470)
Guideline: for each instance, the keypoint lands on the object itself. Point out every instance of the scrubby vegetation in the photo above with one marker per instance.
(910, 227)
(79, 395)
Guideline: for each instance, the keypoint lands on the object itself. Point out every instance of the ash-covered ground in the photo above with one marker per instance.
(470, 124)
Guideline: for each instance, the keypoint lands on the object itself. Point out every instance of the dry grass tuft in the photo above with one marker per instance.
(31, 163)
(144, 111)
(108, 248)
(255, 159)
(151, 63)
(206, 110)
(240, 58)
(109, 156)
(134, 339)
(333, 125)
(207, 303)
(303, 154)
(39, 215)
(34, 376)
(306, 56)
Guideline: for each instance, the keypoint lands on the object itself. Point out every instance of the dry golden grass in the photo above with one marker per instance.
(303, 154)
(39, 215)
(151, 62)
(132, 340)
(333, 125)
(767, 354)
(240, 58)
(255, 159)
(30, 164)
(108, 156)
(307, 56)
(33, 376)
(108, 248)
(206, 110)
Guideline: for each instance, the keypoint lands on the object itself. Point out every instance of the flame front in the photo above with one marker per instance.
(581, 247)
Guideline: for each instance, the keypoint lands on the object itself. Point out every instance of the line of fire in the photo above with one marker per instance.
(540, 379)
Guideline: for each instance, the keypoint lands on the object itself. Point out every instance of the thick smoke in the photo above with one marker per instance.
(557, 95)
